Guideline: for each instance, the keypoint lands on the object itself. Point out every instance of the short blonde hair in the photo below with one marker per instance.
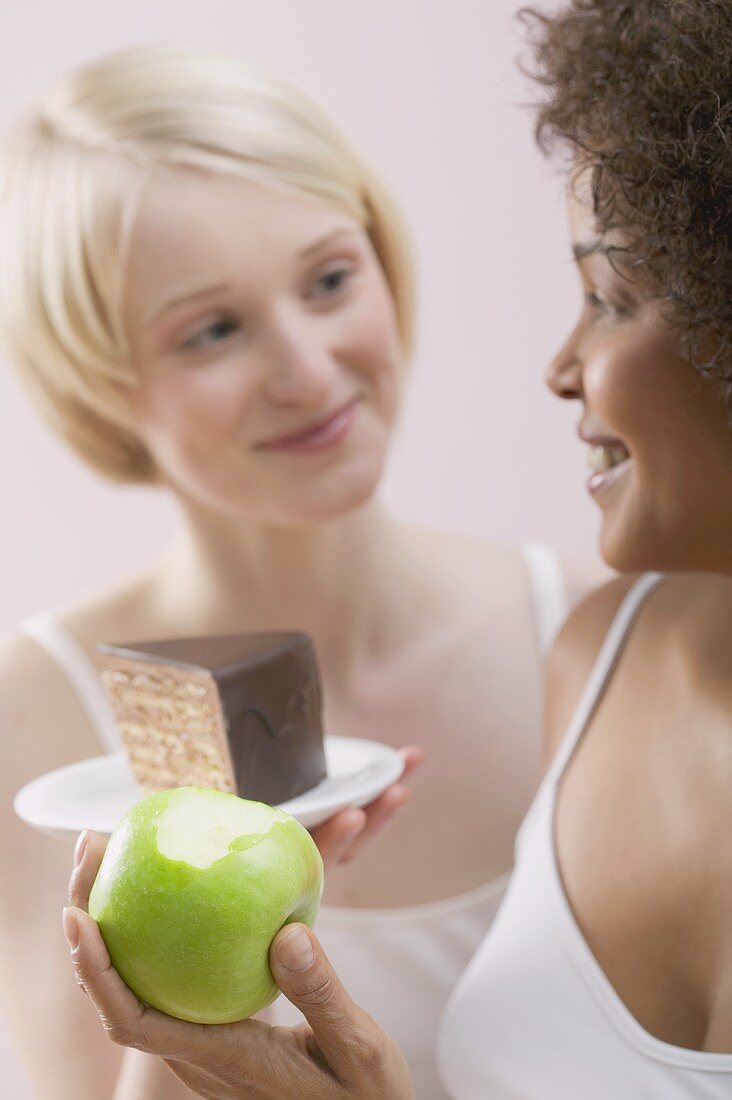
(74, 169)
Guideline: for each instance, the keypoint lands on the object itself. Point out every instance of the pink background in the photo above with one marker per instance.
(430, 91)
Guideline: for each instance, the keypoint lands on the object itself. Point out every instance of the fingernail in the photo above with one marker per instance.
(294, 949)
(71, 928)
(80, 847)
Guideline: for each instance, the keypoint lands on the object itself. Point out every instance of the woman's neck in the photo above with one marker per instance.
(340, 581)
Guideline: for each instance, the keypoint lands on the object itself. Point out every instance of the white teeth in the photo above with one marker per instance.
(604, 456)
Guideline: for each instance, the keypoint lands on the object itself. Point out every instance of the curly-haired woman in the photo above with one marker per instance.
(608, 971)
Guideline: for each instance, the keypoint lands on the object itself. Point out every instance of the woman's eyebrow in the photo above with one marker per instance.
(342, 231)
(581, 249)
(199, 292)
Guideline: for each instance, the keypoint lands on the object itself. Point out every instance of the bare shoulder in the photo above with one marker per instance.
(489, 559)
(574, 652)
(41, 721)
(485, 570)
(688, 621)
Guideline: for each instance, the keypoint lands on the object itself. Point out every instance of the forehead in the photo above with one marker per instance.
(197, 223)
(582, 222)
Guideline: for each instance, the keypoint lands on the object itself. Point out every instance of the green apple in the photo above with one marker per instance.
(193, 888)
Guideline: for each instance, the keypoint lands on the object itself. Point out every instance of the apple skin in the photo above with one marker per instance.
(194, 941)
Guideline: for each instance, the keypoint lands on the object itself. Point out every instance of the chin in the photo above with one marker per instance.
(334, 501)
(355, 498)
(646, 548)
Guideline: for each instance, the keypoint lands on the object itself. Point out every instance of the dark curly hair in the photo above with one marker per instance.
(640, 92)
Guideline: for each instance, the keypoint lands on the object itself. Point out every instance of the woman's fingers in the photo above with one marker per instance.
(90, 848)
(126, 1019)
(377, 815)
(339, 838)
(343, 835)
(413, 755)
(385, 806)
(360, 1059)
(336, 835)
(341, 1030)
(119, 1009)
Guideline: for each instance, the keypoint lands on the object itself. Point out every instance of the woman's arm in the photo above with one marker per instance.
(339, 1053)
(56, 1034)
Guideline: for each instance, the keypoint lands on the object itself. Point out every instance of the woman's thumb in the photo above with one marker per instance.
(307, 979)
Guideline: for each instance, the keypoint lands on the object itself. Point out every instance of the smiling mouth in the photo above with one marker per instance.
(608, 461)
(324, 432)
(606, 456)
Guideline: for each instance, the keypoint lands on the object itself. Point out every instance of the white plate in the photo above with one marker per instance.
(95, 794)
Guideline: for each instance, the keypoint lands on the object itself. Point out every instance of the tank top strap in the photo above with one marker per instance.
(548, 590)
(71, 659)
(601, 673)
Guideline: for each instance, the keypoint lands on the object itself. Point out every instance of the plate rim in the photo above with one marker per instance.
(33, 814)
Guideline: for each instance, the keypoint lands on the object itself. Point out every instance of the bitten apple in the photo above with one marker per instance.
(193, 888)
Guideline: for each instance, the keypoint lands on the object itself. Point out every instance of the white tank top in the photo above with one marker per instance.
(534, 1017)
(400, 964)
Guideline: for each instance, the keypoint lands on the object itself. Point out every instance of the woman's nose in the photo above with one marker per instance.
(300, 367)
(564, 373)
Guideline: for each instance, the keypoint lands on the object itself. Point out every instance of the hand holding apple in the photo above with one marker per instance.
(193, 888)
(165, 926)
(340, 1053)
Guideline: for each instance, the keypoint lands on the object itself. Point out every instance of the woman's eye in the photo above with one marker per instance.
(599, 303)
(215, 333)
(331, 282)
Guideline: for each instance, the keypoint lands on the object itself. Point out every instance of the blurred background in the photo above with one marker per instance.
(431, 92)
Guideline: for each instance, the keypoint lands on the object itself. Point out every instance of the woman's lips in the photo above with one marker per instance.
(609, 460)
(324, 435)
(602, 480)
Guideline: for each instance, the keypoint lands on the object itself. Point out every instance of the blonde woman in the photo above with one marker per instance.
(206, 289)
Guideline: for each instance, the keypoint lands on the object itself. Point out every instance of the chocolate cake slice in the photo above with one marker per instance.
(238, 712)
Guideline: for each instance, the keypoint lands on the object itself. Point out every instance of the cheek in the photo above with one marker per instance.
(640, 386)
(195, 406)
(370, 336)
(624, 384)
